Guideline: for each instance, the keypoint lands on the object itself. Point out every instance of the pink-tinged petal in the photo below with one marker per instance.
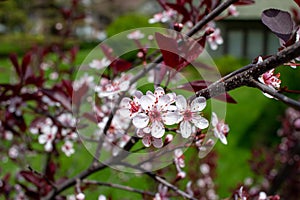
(124, 112)
(178, 153)
(172, 97)
(200, 122)
(140, 133)
(198, 104)
(159, 91)
(163, 102)
(141, 120)
(181, 103)
(138, 94)
(222, 137)
(147, 102)
(124, 85)
(125, 102)
(147, 140)
(214, 119)
(157, 142)
(171, 118)
(157, 129)
(185, 129)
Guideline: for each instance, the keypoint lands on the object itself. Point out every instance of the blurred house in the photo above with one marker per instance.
(246, 36)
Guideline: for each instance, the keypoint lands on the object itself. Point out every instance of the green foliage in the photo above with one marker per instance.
(127, 22)
(227, 64)
(12, 15)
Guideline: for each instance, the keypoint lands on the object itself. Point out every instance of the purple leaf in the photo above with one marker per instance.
(194, 85)
(166, 44)
(182, 10)
(226, 98)
(279, 22)
(58, 96)
(25, 62)
(14, 59)
(120, 65)
(31, 177)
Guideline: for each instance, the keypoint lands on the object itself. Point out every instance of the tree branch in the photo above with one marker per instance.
(249, 72)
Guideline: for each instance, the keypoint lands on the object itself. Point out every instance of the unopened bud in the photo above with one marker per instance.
(178, 27)
(168, 139)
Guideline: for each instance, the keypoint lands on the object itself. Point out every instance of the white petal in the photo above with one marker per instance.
(48, 146)
(42, 139)
(185, 129)
(124, 85)
(163, 102)
(140, 133)
(223, 139)
(159, 91)
(200, 122)
(198, 104)
(141, 120)
(124, 112)
(157, 142)
(146, 140)
(181, 103)
(147, 102)
(214, 119)
(157, 129)
(171, 118)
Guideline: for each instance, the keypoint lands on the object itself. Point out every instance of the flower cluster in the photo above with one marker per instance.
(152, 111)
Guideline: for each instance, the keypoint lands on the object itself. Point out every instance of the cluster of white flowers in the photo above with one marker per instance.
(152, 111)
(48, 132)
(111, 88)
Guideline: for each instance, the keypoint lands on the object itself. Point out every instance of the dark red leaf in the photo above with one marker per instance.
(120, 65)
(50, 171)
(160, 74)
(297, 2)
(25, 62)
(195, 86)
(14, 59)
(167, 45)
(58, 96)
(68, 86)
(31, 177)
(181, 10)
(107, 52)
(279, 22)
(244, 2)
(73, 53)
(79, 94)
(226, 98)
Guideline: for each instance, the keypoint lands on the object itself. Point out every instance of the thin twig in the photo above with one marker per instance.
(118, 186)
(264, 88)
(162, 181)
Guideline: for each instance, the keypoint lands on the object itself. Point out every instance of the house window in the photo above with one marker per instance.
(246, 39)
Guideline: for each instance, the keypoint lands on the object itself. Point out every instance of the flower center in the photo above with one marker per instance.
(187, 115)
(155, 115)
